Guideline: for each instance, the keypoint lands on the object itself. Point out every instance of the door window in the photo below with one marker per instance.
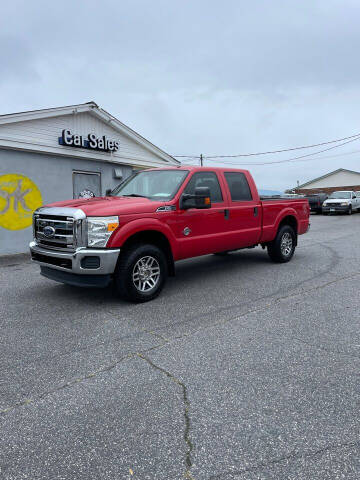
(205, 179)
(238, 186)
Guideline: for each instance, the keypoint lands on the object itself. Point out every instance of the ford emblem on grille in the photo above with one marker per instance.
(49, 232)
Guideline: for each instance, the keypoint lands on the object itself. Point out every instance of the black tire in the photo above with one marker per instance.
(130, 261)
(350, 210)
(325, 213)
(281, 250)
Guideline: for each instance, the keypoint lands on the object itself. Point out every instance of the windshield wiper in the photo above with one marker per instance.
(134, 195)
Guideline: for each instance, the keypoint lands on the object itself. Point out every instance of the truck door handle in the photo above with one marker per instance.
(227, 213)
(256, 211)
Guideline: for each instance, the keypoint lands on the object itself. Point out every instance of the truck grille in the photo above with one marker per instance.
(60, 235)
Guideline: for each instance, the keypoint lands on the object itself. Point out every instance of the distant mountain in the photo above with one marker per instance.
(269, 192)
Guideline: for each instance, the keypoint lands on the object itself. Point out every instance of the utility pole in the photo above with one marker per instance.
(201, 159)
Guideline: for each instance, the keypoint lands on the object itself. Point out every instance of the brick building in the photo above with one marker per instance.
(340, 179)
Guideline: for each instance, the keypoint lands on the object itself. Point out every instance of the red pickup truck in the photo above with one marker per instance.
(135, 235)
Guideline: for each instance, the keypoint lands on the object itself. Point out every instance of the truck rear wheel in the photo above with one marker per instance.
(282, 248)
(141, 273)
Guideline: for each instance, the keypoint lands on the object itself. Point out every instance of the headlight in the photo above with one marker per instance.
(344, 204)
(100, 230)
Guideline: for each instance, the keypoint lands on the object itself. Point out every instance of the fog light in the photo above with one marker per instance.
(90, 262)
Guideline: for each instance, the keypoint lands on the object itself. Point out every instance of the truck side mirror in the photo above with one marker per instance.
(201, 199)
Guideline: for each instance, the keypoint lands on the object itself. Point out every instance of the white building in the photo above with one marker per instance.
(63, 153)
(340, 179)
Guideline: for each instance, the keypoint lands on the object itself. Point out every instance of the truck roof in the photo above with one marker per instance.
(202, 169)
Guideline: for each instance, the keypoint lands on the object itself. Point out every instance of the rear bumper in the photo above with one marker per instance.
(82, 264)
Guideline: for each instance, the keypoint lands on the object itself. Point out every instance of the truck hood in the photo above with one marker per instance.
(107, 206)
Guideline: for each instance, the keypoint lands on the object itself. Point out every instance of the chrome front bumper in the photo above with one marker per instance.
(335, 208)
(75, 262)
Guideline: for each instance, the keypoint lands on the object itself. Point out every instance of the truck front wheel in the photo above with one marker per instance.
(141, 273)
(282, 248)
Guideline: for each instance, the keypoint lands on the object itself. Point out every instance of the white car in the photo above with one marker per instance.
(345, 201)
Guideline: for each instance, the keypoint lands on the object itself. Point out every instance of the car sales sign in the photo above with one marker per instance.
(91, 141)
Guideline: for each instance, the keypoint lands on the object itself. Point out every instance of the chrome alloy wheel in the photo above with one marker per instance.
(286, 244)
(146, 273)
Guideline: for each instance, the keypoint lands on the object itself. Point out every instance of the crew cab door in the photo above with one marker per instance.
(203, 231)
(245, 212)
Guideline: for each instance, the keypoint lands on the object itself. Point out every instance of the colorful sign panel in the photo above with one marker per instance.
(19, 197)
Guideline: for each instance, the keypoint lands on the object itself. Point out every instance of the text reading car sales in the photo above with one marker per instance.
(92, 141)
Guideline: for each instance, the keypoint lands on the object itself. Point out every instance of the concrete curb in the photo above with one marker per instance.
(15, 258)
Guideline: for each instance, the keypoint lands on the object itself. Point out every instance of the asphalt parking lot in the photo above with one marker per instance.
(241, 369)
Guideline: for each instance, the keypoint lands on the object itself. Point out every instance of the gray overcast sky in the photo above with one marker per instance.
(196, 76)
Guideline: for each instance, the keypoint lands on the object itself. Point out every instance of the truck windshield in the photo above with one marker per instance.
(340, 195)
(153, 184)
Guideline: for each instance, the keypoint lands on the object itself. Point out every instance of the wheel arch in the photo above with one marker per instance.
(291, 221)
(153, 237)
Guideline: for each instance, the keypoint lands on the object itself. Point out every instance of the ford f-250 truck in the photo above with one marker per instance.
(135, 235)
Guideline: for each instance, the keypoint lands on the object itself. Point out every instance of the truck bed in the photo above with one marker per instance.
(274, 207)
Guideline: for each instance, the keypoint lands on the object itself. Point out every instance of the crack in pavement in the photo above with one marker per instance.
(76, 381)
(75, 351)
(158, 335)
(166, 341)
(189, 444)
(291, 456)
(334, 261)
(173, 339)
